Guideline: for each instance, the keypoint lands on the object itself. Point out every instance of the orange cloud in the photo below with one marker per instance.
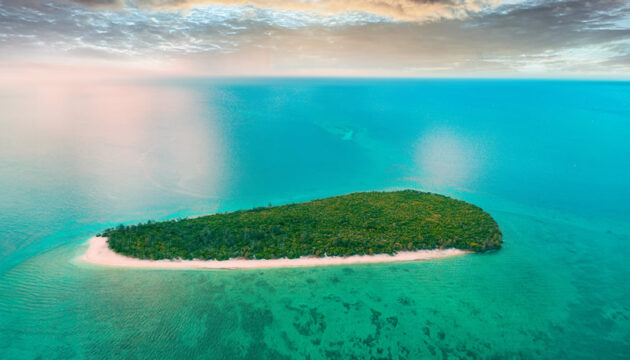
(403, 10)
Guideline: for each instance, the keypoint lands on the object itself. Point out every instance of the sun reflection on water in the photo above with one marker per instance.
(446, 158)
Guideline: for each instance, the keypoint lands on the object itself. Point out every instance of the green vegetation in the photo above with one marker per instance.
(360, 223)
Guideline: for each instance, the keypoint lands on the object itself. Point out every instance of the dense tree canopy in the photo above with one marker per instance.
(359, 223)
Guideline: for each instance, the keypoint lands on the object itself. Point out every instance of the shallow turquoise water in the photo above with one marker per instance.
(548, 159)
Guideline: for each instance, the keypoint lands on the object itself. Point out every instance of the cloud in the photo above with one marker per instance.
(543, 38)
(104, 4)
(404, 10)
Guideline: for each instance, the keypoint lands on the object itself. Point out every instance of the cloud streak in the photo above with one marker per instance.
(534, 38)
(402, 10)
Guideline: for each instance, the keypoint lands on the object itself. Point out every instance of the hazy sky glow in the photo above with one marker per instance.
(438, 38)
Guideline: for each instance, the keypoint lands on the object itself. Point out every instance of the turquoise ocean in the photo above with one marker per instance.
(549, 160)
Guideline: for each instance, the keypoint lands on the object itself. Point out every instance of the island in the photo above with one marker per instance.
(355, 228)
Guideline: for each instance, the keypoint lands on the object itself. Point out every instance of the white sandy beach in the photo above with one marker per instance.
(99, 253)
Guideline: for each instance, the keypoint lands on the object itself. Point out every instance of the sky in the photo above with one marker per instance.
(364, 38)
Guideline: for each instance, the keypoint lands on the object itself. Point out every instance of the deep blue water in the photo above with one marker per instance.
(550, 160)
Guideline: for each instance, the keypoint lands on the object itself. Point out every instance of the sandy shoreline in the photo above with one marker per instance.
(99, 253)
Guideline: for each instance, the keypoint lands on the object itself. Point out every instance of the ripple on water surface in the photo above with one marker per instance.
(500, 304)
